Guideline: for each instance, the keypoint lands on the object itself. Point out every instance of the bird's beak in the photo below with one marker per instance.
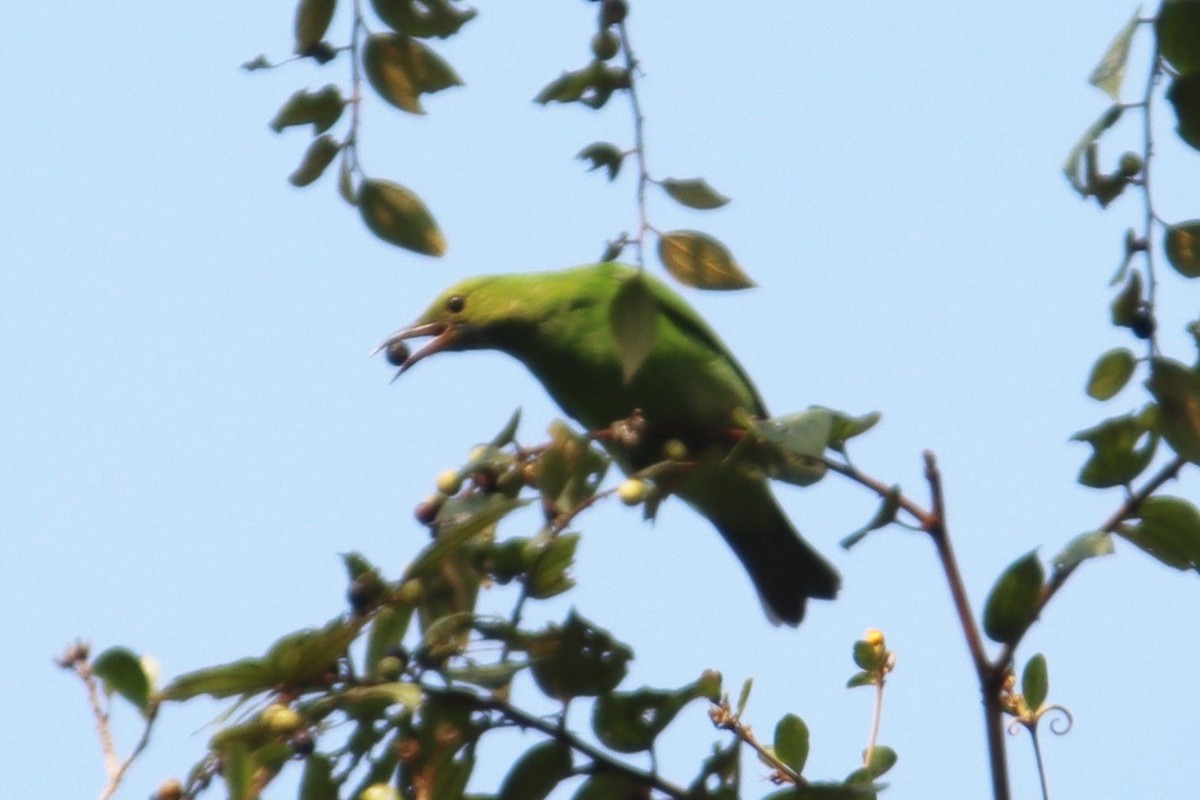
(443, 336)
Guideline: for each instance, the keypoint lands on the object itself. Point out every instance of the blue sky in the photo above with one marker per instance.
(193, 428)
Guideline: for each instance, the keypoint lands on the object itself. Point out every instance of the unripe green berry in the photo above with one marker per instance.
(1130, 165)
(410, 591)
(605, 44)
(674, 450)
(389, 668)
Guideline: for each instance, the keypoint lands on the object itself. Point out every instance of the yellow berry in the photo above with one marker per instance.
(874, 637)
(379, 791)
(632, 491)
(449, 481)
(281, 719)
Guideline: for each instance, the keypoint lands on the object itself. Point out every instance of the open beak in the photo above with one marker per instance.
(398, 353)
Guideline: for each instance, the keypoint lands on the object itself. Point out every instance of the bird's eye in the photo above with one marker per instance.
(456, 304)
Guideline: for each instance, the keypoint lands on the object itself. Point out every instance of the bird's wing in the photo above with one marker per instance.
(690, 322)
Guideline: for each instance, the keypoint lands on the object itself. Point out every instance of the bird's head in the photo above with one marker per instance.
(474, 314)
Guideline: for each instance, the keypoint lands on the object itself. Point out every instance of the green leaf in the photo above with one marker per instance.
(1178, 29)
(397, 216)
(1177, 390)
(549, 574)
(381, 696)
(321, 109)
(122, 673)
(388, 626)
(744, 696)
(593, 85)
(317, 782)
(609, 786)
(603, 154)
(883, 758)
(423, 19)
(1116, 457)
(258, 62)
(357, 566)
(401, 69)
(312, 21)
(719, 775)
(858, 789)
(1128, 302)
(1083, 547)
(537, 772)
(244, 677)
(846, 427)
(633, 317)
(694, 193)
(320, 154)
(346, 187)
(698, 260)
(301, 658)
(1184, 96)
(1168, 529)
(506, 434)
(787, 448)
(1110, 373)
(489, 676)
(791, 742)
(1035, 682)
(569, 470)
(867, 656)
(460, 522)
(1089, 137)
(1109, 74)
(577, 659)
(1182, 245)
(629, 722)
(885, 516)
(237, 770)
(1013, 602)
(862, 679)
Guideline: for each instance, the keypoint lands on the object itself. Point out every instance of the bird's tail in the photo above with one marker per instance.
(784, 568)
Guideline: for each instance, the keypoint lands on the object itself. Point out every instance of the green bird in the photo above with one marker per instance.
(689, 388)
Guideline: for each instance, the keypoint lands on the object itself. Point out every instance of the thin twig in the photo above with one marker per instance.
(639, 140)
(878, 487)
(1059, 577)
(724, 718)
(560, 734)
(76, 660)
(989, 682)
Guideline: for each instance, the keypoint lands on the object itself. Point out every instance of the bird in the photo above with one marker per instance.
(689, 388)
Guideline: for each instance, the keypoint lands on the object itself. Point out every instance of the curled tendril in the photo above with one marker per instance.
(1060, 725)
(1065, 718)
